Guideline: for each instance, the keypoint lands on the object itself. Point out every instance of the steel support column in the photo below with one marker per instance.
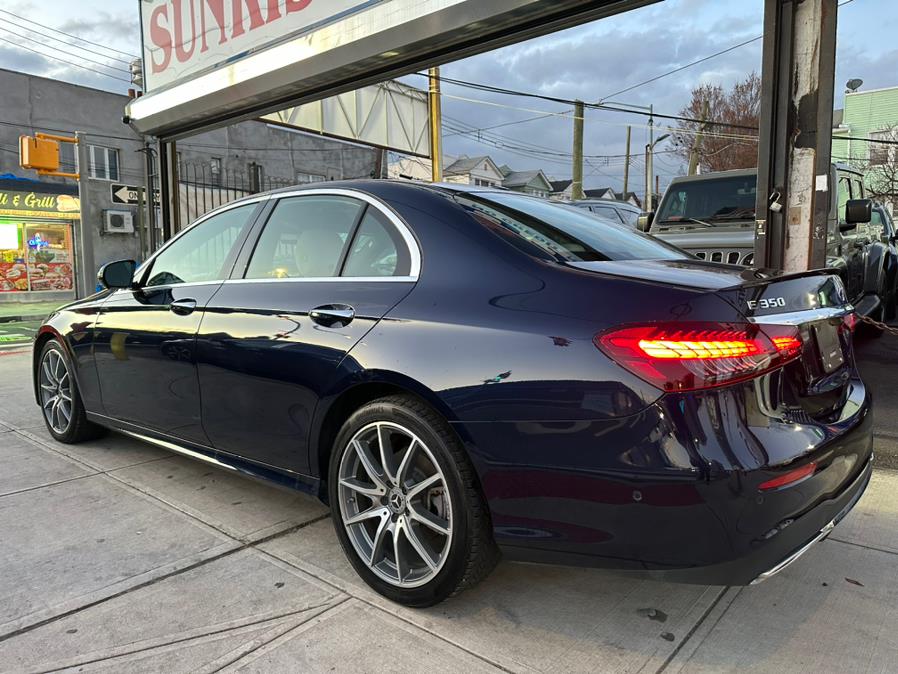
(795, 136)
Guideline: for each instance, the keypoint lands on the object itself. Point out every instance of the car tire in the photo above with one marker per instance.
(418, 503)
(60, 400)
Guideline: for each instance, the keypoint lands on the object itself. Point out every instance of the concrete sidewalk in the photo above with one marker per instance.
(116, 556)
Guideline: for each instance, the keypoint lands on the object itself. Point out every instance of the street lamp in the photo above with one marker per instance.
(650, 171)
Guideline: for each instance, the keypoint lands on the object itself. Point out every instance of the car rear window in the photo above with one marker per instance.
(563, 232)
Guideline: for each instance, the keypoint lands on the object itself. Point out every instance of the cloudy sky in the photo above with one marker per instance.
(590, 62)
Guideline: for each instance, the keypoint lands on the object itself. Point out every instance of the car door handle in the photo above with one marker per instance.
(333, 315)
(182, 307)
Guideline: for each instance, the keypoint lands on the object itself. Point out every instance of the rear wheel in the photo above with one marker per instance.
(405, 503)
(60, 399)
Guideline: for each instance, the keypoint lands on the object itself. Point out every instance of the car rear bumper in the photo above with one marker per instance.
(674, 491)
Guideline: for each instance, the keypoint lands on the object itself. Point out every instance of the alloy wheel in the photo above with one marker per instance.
(395, 505)
(56, 391)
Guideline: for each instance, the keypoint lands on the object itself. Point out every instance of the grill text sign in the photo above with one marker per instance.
(185, 37)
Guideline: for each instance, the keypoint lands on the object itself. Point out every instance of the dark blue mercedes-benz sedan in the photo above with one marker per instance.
(460, 371)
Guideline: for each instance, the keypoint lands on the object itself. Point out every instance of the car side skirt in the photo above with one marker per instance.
(267, 474)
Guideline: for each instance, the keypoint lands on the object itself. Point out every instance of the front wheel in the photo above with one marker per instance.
(405, 503)
(60, 399)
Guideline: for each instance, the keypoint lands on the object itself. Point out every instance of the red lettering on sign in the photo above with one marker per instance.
(274, 11)
(182, 54)
(255, 16)
(160, 37)
(218, 13)
(297, 5)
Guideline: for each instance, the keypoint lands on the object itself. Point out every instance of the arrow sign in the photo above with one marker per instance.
(129, 194)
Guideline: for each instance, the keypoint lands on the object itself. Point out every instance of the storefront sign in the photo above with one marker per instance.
(208, 63)
(184, 38)
(38, 205)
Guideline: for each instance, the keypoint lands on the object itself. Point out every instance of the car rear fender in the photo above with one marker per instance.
(875, 268)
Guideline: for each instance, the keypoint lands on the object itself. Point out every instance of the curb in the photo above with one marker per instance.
(19, 319)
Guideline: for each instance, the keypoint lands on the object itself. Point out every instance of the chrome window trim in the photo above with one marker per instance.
(799, 317)
(221, 209)
(405, 232)
(325, 279)
(168, 286)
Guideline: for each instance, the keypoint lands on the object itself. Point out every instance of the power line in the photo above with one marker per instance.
(75, 37)
(681, 68)
(63, 51)
(70, 63)
(695, 63)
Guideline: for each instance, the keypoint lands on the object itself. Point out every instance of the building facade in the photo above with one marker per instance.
(870, 114)
(214, 166)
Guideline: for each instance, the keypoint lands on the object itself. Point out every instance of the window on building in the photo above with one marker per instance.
(879, 152)
(480, 182)
(103, 162)
(215, 170)
(68, 158)
(303, 178)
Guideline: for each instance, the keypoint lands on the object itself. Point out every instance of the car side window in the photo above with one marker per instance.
(844, 196)
(377, 249)
(199, 254)
(305, 237)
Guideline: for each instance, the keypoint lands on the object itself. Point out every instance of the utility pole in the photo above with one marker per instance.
(627, 166)
(697, 141)
(794, 153)
(436, 127)
(577, 168)
(649, 161)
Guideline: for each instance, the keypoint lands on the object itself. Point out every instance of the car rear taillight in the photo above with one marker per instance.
(790, 478)
(849, 322)
(686, 356)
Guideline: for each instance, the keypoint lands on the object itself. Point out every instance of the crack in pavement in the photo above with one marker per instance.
(214, 632)
(861, 545)
(692, 631)
(244, 654)
(48, 484)
(159, 579)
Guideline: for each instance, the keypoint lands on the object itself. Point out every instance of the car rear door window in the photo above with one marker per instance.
(377, 249)
(199, 254)
(305, 237)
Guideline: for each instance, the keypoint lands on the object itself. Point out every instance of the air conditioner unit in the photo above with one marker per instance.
(119, 222)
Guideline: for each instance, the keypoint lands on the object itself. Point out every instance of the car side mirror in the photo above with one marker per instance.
(644, 221)
(119, 274)
(858, 211)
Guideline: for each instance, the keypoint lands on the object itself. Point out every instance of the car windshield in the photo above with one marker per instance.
(563, 232)
(715, 200)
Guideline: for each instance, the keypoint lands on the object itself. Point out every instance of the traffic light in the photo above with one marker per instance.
(40, 154)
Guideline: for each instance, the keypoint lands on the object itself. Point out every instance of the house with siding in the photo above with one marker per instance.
(529, 182)
(867, 114)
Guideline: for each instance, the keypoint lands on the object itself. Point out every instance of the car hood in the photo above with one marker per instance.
(685, 273)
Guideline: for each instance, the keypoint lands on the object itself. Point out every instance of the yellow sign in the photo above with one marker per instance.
(37, 205)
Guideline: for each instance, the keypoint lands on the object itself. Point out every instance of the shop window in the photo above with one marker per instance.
(35, 257)
(103, 162)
